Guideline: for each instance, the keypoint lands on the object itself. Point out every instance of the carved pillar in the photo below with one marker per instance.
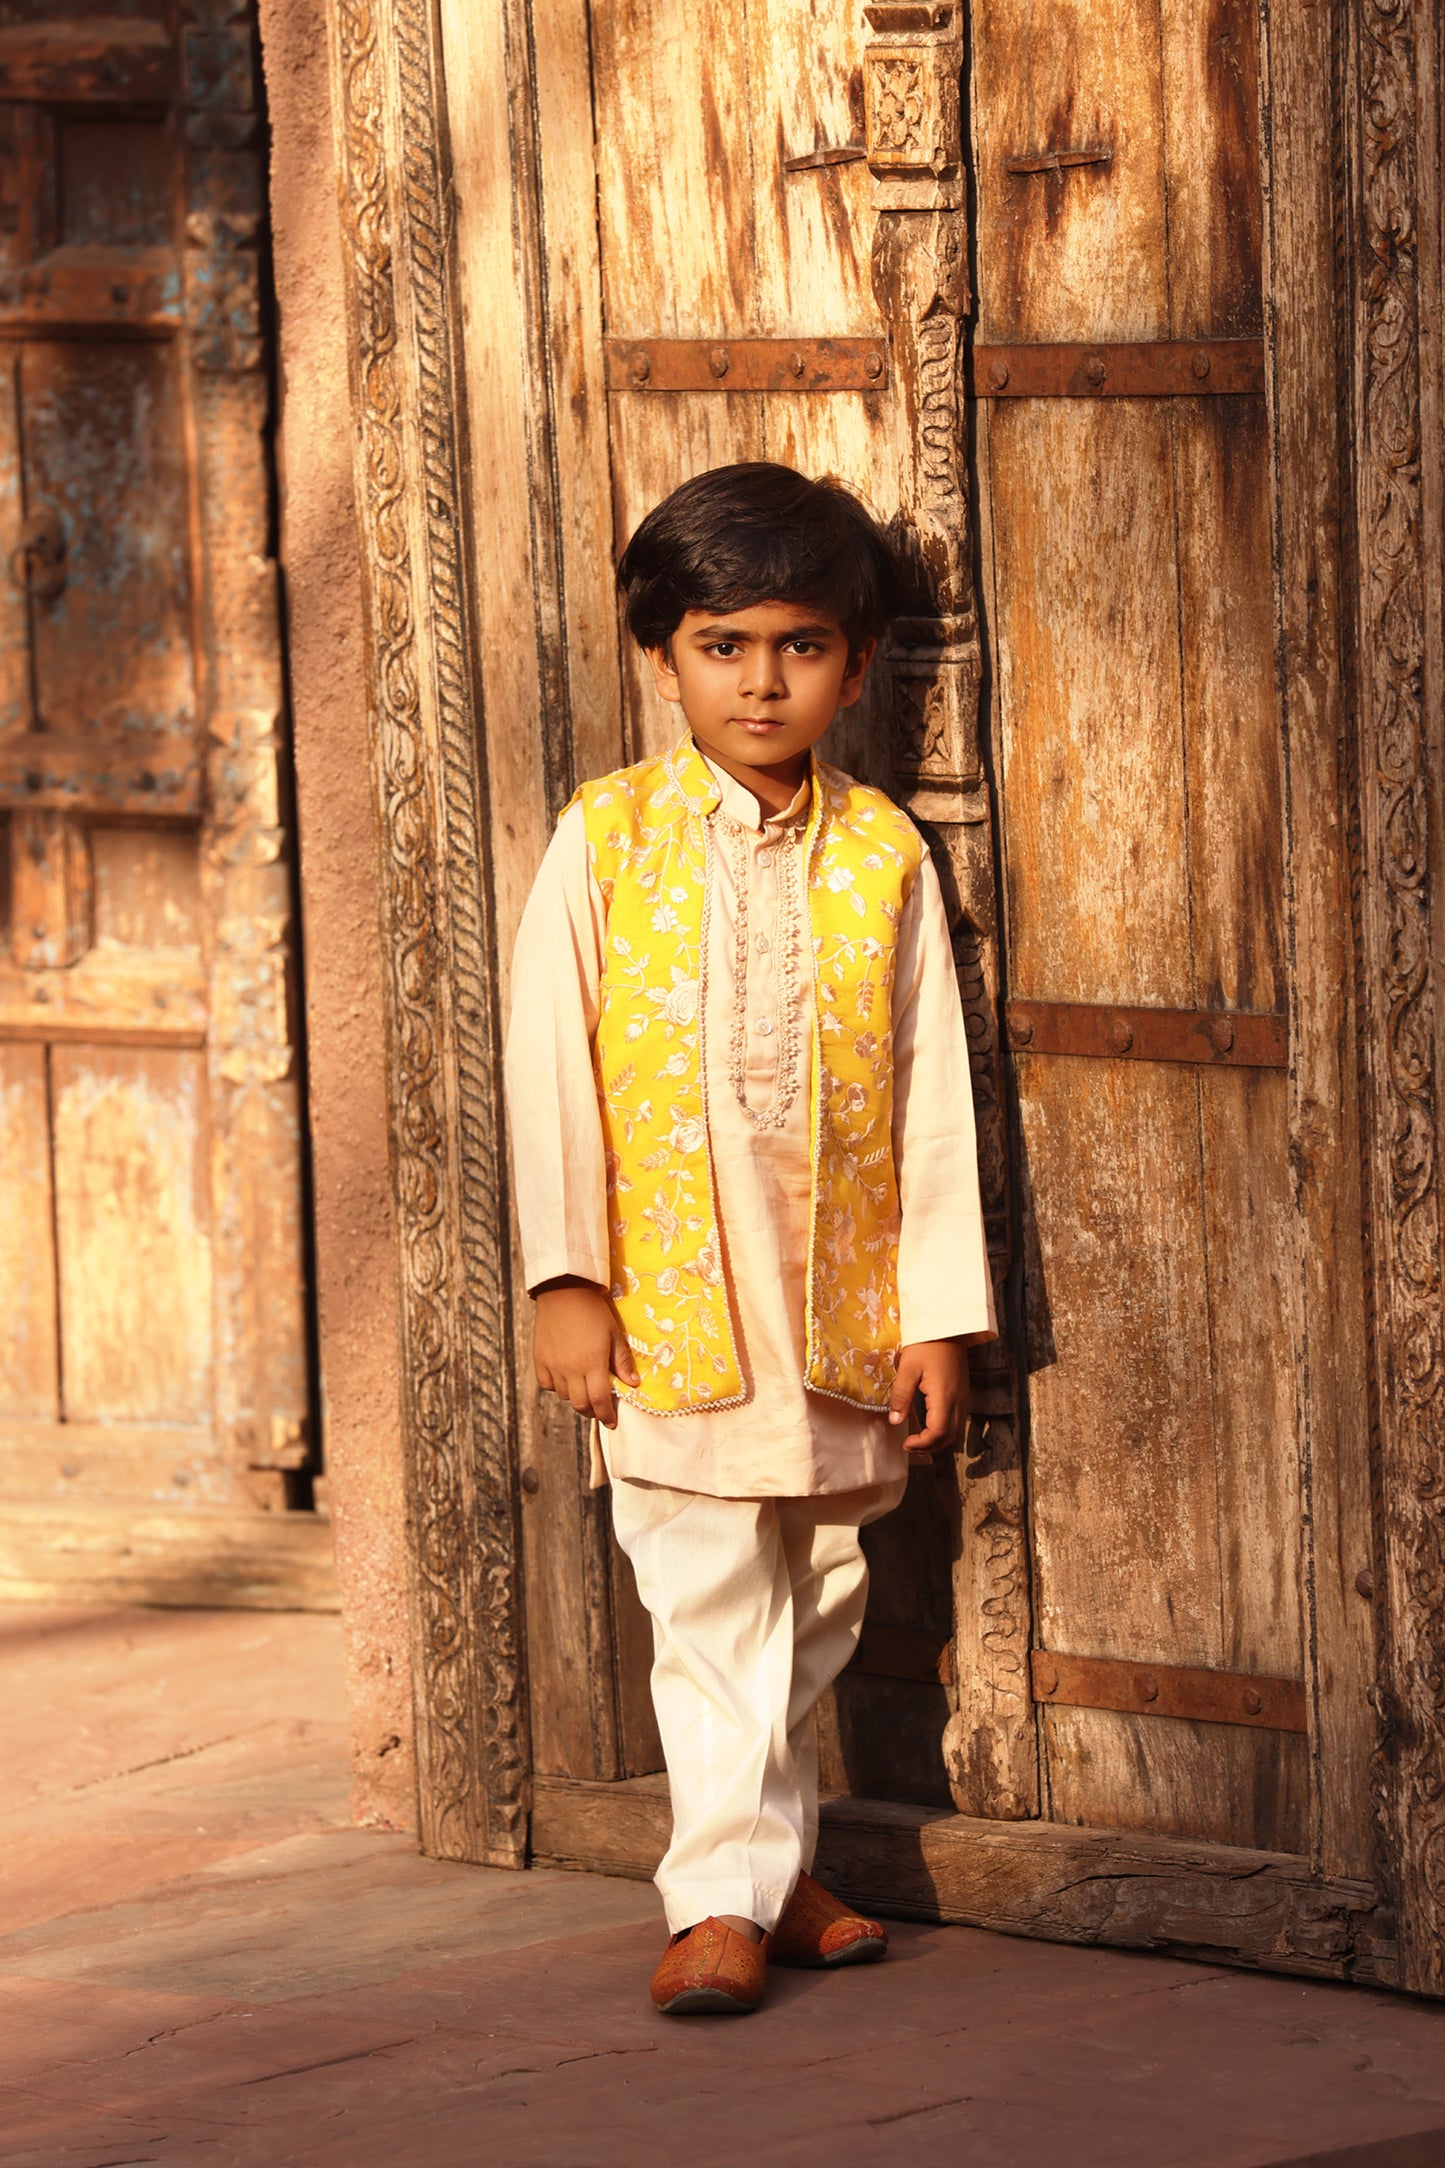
(920, 275)
(436, 911)
(1392, 138)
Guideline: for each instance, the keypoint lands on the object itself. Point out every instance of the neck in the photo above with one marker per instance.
(774, 788)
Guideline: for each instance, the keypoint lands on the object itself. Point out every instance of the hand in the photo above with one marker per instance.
(578, 1347)
(939, 1370)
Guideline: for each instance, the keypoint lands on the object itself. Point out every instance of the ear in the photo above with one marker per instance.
(664, 672)
(857, 670)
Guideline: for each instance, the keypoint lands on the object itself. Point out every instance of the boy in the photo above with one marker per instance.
(743, 1138)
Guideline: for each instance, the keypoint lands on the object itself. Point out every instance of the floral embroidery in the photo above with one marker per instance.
(650, 840)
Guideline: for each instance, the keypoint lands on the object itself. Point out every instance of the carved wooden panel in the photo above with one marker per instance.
(436, 914)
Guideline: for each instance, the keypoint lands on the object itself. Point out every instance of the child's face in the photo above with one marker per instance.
(760, 686)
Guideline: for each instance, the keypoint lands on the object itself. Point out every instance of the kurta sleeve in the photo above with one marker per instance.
(944, 1288)
(558, 1161)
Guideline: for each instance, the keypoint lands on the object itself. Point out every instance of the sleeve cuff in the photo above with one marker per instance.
(568, 1265)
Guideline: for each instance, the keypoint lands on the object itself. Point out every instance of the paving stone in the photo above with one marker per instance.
(310, 1995)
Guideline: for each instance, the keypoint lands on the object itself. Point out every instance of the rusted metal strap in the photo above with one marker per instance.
(1204, 1697)
(1147, 369)
(1058, 161)
(746, 364)
(1234, 1038)
(902, 1652)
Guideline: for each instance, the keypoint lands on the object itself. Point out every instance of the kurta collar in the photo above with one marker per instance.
(705, 787)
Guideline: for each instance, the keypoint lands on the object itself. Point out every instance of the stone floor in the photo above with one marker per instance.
(202, 1962)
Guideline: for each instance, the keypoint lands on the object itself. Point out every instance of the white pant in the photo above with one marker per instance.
(756, 1607)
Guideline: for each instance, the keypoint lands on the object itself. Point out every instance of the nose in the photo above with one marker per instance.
(762, 674)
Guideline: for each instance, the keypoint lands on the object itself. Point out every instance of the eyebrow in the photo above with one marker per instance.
(739, 632)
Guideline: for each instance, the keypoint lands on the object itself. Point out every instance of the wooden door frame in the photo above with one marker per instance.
(1353, 285)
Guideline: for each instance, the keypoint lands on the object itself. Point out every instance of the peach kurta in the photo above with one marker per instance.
(784, 1441)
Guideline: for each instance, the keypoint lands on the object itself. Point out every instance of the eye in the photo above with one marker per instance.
(724, 650)
(806, 647)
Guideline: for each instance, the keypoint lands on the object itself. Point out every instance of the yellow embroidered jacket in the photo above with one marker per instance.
(650, 841)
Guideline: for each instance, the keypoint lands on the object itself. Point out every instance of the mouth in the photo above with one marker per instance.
(757, 726)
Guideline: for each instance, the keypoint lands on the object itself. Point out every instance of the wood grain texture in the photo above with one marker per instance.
(675, 172)
(1232, 757)
(29, 1377)
(147, 887)
(1074, 254)
(1326, 1291)
(1122, 1440)
(1089, 703)
(133, 1235)
(152, 1555)
(119, 1464)
(1209, 91)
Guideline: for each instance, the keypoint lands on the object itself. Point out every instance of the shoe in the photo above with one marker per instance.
(711, 1968)
(818, 1929)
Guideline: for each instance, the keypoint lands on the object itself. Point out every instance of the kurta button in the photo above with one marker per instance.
(764, 1024)
(762, 944)
(765, 858)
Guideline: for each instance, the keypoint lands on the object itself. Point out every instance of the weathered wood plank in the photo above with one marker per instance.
(1075, 253)
(1075, 1885)
(127, 996)
(675, 171)
(577, 405)
(147, 886)
(132, 1464)
(1088, 666)
(29, 1378)
(153, 1555)
(50, 890)
(1326, 1280)
(1122, 1441)
(1249, 1244)
(1210, 79)
(813, 230)
(1232, 754)
(132, 1216)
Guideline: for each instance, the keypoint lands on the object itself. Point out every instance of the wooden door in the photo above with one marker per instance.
(153, 1379)
(1124, 468)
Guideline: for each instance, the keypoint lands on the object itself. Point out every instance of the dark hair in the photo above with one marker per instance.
(758, 533)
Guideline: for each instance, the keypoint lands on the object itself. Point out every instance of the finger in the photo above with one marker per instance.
(601, 1400)
(580, 1395)
(622, 1364)
(940, 1422)
(544, 1377)
(905, 1388)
